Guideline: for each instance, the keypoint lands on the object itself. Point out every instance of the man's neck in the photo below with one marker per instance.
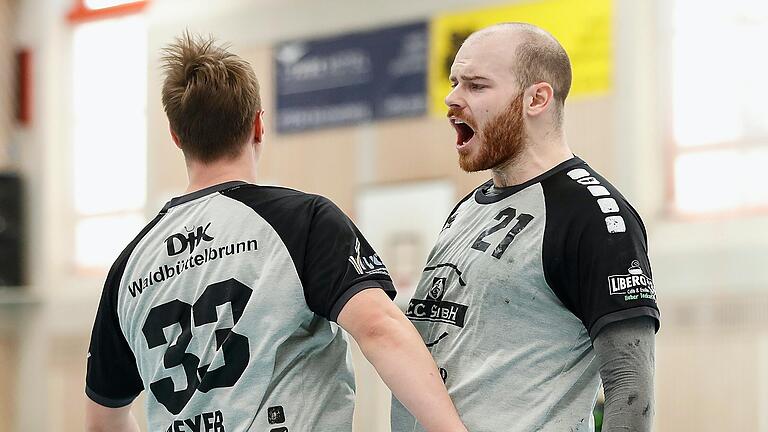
(201, 175)
(535, 159)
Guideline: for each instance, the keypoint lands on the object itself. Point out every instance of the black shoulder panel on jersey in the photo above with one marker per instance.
(595, 252)
(112, 377)
(331, 257)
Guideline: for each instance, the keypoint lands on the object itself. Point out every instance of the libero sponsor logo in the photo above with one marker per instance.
(634, 285)
(166, 272)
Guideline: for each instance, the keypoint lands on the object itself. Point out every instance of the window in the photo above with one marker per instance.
(719, 116)
(108, 112)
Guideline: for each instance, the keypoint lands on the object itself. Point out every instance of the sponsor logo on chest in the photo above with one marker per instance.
(434, 308)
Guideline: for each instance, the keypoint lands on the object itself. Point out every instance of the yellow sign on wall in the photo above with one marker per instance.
(583, 27)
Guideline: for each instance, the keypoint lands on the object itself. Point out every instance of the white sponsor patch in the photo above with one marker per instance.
(598, 191)
(578, 173)
(634, 285)
(615, 224)
(608, 205)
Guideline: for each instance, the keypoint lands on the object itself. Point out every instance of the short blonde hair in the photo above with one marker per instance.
(211, 97)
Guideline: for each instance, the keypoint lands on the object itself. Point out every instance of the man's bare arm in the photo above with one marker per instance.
(99, 418)
(393, 346)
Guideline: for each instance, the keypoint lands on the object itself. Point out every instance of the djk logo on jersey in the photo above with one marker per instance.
(180, 242)
(634, 285)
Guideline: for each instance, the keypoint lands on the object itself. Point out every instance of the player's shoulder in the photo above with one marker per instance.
(253, 192)
(280, 197)
(579, 181)
(469, 200)
(578, 195)
(115, 273)
(279, 205)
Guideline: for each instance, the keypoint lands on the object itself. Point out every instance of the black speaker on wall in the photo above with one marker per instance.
(11, 231)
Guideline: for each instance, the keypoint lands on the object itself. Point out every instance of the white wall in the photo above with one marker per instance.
(42, 151)
(7, 12)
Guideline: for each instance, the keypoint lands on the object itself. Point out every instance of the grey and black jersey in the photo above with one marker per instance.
(520, 281)
(223, 309)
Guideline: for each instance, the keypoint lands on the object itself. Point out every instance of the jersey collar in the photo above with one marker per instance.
(482, 196)
(202, 192)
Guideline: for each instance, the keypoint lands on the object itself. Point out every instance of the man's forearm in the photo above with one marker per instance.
(99, 418)
(626, 352)
(406, 366)
(393, 346)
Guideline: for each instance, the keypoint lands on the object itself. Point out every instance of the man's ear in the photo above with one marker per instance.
(174, 137)
(541, 95)
(258, 127)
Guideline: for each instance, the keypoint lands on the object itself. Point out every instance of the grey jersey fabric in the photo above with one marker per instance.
(625, 353)
(514, 290)
(223, 310)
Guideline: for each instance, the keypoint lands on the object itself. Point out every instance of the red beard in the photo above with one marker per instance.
(503, 140)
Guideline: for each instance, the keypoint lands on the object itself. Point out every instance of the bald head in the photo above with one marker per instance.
(536, 56)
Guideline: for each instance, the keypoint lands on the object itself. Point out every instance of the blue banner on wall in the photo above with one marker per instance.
(352, 78)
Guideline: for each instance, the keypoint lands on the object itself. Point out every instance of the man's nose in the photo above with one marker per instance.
(453, 99)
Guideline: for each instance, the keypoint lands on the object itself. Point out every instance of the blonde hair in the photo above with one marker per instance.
(211, 97)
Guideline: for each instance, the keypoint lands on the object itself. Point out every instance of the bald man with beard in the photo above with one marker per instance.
(539, 284)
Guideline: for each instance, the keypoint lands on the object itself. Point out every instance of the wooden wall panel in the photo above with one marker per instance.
(414, 149)
(66, 383)
(8, 382)
(708, 380)
(590, 130)
(320, 162)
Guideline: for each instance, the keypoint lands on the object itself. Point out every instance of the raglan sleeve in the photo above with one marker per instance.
(112, 376)
(339, 262)
(597, 263)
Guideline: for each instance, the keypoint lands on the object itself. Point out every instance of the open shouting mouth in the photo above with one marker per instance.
(464, 132)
